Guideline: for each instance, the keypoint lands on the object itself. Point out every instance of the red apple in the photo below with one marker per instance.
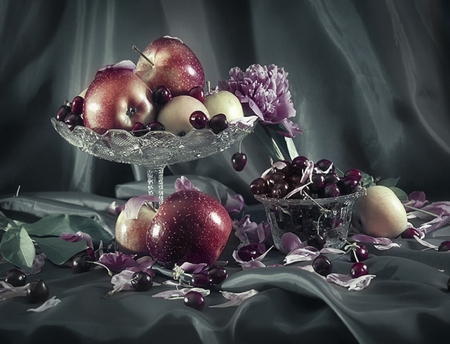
(131, 232)
(189, 226)
(117, 99)
(172, 64)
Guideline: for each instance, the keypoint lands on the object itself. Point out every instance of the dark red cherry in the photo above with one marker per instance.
(141, 281)
(194, 300)
(299, 164)
(202, 280)
(359, 269)
(354, 173)
(62, 113)
(239, 160)
(359, 253)
(218, 123)
(198, 93)
(139, 129)
(198, 119)
(16, 278)
(77, 105)
(37, 291)
(322, 265)
(218, 274)
(161, 95)
(259, 186)
(155, 125)
(410, 233)
(444, 246)
(325, 165)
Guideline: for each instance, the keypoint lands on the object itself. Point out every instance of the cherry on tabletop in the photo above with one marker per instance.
(141, 281)
(16, 278)
(37, 291)
(81, 263)
(444, 246)
(194, 300)
(359, 269)
(249, 252)
(316, 241)
(410, 233)
(218, 274)
(322, 265)
(202, 280)
(239, 160)
(359, 253)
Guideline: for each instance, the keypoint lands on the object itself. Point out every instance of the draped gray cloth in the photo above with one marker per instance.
(368, 79)
(370, 83)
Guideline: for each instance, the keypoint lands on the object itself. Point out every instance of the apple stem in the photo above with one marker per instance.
(136, 49)
(208, 86)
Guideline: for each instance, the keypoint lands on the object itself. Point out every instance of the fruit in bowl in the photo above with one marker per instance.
(189, 226)
(309, 199)
(117, 99)
(169, 62)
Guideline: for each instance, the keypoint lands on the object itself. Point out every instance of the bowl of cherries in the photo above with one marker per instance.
(313, 200)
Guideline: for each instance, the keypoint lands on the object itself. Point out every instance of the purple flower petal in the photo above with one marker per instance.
(253, 264)
(301, 255)
(290, 242)
(125, 64)
(235, 299)
(179, 293)
(356, 284)
(122, 280)
(417, 199)
(193, 268)
(78, 236)
(118, 261)
(435, 223)
(234, 203)
(184, 184)
(134, 204)
(50, 303)
(115, 209)
(370, 239)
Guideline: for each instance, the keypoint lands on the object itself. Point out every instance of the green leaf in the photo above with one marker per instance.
(55, 225)
(18, 248)
(389, 182)
(402, 195)
(367, 180)
(58, 250)
(6, 223)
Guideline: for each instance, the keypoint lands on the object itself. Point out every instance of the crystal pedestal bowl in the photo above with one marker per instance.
(328, 217)
(154, 150)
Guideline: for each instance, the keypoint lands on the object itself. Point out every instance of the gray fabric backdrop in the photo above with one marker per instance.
(369, 80)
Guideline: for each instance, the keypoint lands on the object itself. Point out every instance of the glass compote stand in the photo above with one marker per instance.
(154, 150)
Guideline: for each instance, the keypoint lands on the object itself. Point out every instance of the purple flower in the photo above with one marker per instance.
(118, 261)
(265, 90)
(251, 232)
(78, 236)
(234, 203)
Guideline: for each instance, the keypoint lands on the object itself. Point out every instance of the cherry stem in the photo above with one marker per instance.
(420, 210)
(136, 49)
(104, 266)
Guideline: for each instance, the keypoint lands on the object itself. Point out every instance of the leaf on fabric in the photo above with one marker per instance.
(59, 251)
(18, 248)
(50, 303)
(235, 299)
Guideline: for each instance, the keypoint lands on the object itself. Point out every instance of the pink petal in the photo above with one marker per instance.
(134, 204)
(290, 242)
(184, 184)
(370, 239)
(234, 203)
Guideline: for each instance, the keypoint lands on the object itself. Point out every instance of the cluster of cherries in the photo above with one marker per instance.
(70, 113)
(285, 176)
(36, 291)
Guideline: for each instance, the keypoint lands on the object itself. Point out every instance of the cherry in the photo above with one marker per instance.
(62, 113)
(259, 186)
(354, 173)
(410, 233)
(331, 190)
(280, 189)
(299, 164)
(139, 129)
(155, 125)
(73, 120)
(81, 263)
(322, 265)
(249, 252)
(194, 300)
(273, 178)
(141, 281)
(218, 274)
(332, 178)
(239, 160)
(283, 166)
(324, 165)
(37, 291)
(444, 246)
(77, 105)
(202, 280)
(198, 119)
(349, 184)
(218, 123)
(359, 269)
(198, 93)
(318, 182)
(316, 241)
(359, 253)
(161, 95)
(16, 278)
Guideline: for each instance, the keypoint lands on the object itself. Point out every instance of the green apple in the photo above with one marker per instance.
(224, 102)
(177, 111)
(379, 213)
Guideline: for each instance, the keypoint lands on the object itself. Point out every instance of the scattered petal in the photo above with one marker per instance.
(290, 242)
(179, 293)
(184, 184)
(78, 236)
(115, 209)
(244, 122)
(301, 255)
(426, 243)
(192, 268)
(356, 284)
(234, 203)
(386, 247)
(370, 239)
(134, 204)
(50, 303)
(122, 280)
(235, 299)
(434, 224)
(118, 261)
(252, 264)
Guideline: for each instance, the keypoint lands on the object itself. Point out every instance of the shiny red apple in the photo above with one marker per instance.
(189, 226)
(171, 63)
(117, 99)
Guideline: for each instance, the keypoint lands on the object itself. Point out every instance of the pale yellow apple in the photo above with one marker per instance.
(131, 234)
(224, 102)
(379, 213)
(175, 114)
